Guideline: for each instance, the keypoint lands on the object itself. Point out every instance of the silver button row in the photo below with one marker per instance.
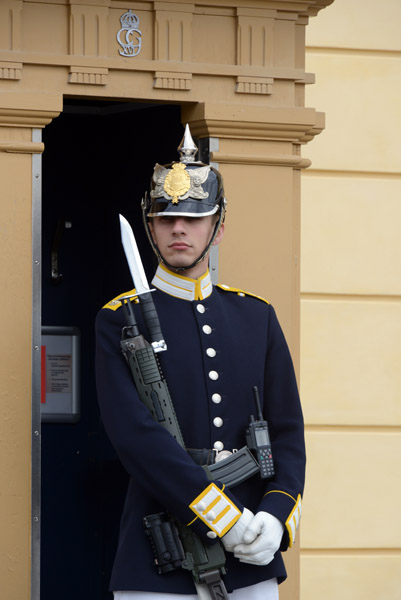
(213, 375)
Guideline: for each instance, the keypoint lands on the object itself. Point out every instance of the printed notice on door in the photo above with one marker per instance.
(58, 373)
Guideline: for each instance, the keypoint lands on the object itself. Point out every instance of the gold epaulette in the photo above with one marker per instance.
(239, 292)
(116, 302)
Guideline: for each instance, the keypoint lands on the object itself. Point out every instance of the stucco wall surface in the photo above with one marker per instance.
(351, 306)
(237, 71)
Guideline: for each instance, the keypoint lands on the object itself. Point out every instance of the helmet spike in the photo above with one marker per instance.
(187, 147)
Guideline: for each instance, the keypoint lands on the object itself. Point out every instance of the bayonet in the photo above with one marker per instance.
(142, 289)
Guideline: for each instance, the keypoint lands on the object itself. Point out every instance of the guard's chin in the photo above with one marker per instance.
(178, 264)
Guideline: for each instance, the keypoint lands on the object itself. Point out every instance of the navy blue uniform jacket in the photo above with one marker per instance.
(250, 350)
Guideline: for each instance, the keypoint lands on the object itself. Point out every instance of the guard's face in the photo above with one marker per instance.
(181, 240)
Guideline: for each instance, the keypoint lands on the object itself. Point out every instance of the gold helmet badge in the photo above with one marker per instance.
(177, 182)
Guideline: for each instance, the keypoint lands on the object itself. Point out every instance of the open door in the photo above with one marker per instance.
(97, 163)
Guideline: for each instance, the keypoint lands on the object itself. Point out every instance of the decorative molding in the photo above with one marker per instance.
(88, 75)
(27, 117)
(297, 125)
(278, 160)
(173, 32)
(254, 85)
(36, 109)
(264, 131)
(255, 37)
(11, 24)
(168, 80)
(308, 79)
(22, 147)
(144, 65)
(317, 5)
(10, 70)
(88, 29)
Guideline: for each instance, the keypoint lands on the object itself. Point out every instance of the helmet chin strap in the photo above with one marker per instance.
(178, 269)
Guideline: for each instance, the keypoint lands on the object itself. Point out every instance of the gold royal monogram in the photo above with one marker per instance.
(177, 182)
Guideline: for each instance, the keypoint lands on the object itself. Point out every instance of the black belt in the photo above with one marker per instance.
(202, 456)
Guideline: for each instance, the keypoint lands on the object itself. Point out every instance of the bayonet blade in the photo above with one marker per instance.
(133, 257)
(141, 286)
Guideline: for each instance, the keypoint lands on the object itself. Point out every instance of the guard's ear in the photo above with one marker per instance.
(219, 236)
(151, 229)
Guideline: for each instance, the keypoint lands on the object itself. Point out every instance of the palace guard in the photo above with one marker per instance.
(210, 430)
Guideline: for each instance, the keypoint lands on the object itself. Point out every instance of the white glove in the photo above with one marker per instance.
(261, 540)
(234, 535)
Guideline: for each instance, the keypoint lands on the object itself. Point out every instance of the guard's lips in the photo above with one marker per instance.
(179, 245)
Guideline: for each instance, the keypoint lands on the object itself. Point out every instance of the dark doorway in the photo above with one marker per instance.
(97, 163)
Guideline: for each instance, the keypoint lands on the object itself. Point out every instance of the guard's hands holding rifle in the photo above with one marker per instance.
(261, 539)
(254, 539)
(234, 536)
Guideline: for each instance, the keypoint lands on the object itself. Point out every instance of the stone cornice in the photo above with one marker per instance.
(29, 110)
(297, 125)
(290, 127)
(301, 7)
(279, 160)
(310, 7)
(26, 117)
(118, 64)
(22, 147)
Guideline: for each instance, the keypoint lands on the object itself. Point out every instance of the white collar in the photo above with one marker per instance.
(182, 287)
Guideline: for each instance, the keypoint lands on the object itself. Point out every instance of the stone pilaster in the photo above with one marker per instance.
(20, 118)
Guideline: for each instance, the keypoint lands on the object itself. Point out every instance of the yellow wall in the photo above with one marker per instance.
(243, 86)
(351, 306)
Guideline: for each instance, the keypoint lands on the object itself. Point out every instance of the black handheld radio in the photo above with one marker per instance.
(258, 440)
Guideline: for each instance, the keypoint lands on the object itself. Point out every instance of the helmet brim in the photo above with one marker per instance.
(185, 208)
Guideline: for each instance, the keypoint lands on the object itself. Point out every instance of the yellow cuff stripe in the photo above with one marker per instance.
(212, 504)
(222, 514)
(215, 509)
(281, 492)
(293, 520)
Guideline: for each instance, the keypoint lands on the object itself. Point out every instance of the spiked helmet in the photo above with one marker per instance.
(186, 188)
